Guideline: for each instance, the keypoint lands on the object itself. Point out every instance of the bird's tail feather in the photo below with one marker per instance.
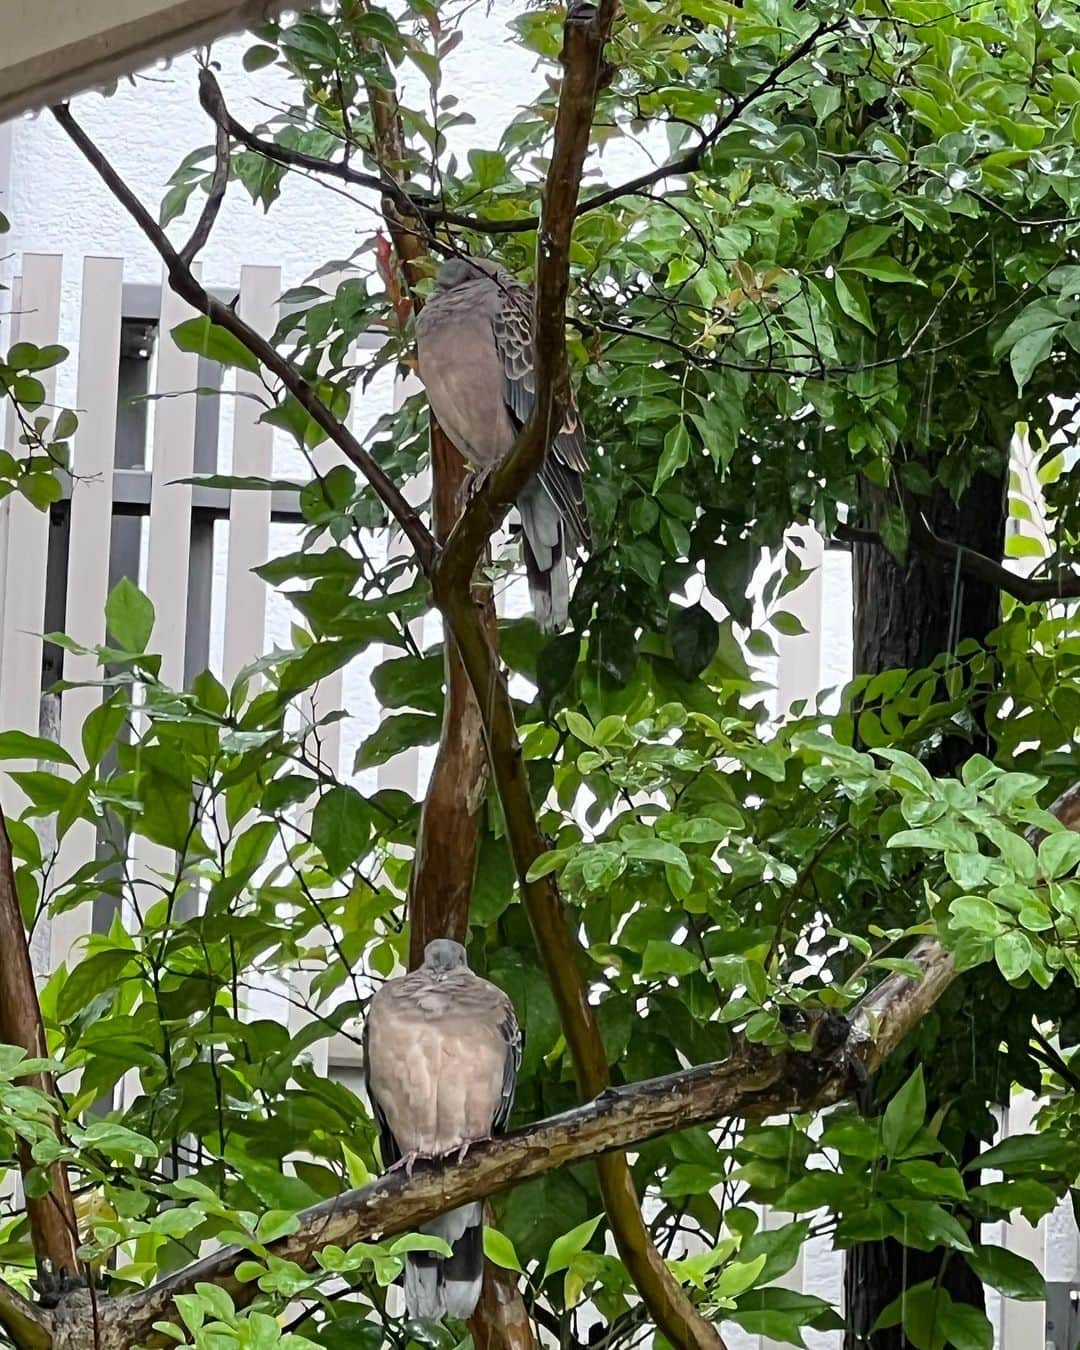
(545, 556)
(448, 1285)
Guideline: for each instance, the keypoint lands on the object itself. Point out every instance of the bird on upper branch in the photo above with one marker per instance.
(441, 1055)
(475, 354)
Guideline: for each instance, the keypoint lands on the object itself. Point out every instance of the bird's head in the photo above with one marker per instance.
(443, 956)
(459, 271)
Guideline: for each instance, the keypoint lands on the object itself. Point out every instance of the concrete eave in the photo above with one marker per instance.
(53, 49)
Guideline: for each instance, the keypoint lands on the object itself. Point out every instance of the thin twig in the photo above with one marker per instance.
(216, 195)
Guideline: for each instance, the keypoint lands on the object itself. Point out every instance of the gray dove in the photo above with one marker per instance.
(441, 1054)
(475, 352)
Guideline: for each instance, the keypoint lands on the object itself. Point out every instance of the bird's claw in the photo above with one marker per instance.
(407, 1161)
(468, 1143)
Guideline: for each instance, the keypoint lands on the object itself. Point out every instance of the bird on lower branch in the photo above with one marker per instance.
(474, 341)
(442, 1049)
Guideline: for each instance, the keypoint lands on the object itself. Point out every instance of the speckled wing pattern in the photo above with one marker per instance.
(566, 460)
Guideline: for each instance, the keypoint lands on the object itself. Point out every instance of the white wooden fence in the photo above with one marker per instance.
(240, 601)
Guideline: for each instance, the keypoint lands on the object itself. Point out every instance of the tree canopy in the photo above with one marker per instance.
(849, 287)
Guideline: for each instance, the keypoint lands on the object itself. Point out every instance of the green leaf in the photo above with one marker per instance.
(499, 1249)
(825, 233)
(1013, 952)
(19, 745)
(663, 959)
(1011, 1275)
(258, 56)
(737, 1277)
(341, 827)
(129, 616)
(884, 269)
(852, 299)
(28, 356)
(101, 728)
(1031, 351)
(694, 635)
(729, 570)
(675, 454)
(488, 167)
(904, 1115)
(215, 343)
(117, 1140)
(565, 1248)
(1059, 854)
(861, 243)
(397, 733)
(967, 1328)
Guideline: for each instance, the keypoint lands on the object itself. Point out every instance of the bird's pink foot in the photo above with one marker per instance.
(408, 1161)
(468, 1143)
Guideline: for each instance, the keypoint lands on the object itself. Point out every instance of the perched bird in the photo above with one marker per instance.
(475, 352)
(441, 1054)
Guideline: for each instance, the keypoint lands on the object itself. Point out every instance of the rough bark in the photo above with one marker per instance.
(53, 1228)
(905, 616)
(753, 1083)
(448, 840)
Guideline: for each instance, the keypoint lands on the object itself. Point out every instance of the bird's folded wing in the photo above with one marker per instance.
(512, 324)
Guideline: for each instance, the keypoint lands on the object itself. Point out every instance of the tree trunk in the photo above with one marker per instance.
(448, 840)
(905, 616)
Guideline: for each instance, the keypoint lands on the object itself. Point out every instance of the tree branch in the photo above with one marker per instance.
(430, 211)
(1028, 590)
(214, 197)
(754, 1083)
(584, 37)
(28, 1326)
(185, 285)
(53, 1226)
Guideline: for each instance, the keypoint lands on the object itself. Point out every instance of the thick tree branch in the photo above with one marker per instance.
(754, 1083)
(28, 1326)
(1028, 590)
(53, 1227)
(448, 837)
(585, 35)
(185, 285)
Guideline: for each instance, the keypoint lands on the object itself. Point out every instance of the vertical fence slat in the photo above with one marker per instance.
(249, 512)
(799, 667)
(1023, 1324)
(169, 540)
(170, 502)
(28, 528)
(772, 1219)
(5, 505)
(88, 548)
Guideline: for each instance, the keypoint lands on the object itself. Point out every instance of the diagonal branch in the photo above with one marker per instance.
(185, 284)
(754, 1082)
(584, 37)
